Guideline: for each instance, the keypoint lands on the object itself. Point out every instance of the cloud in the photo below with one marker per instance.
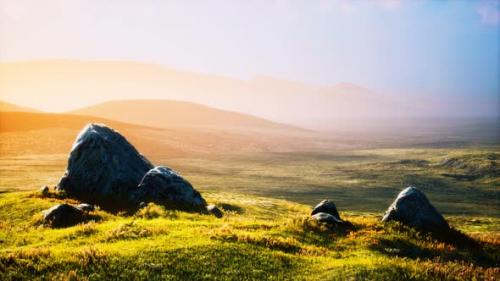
(489, 11)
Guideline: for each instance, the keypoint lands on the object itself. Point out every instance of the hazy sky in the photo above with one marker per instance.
(410, 47)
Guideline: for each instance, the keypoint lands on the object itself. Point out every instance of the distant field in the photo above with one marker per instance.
(357, 180)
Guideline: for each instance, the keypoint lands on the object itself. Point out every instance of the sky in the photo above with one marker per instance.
(423, 48)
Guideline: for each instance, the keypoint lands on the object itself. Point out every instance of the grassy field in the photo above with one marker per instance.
(258, 239)
(357, 180)
(266, 233)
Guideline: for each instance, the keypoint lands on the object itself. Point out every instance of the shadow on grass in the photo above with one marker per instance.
(451, 245)
(309, 231)
(231, 207)
(217, 262)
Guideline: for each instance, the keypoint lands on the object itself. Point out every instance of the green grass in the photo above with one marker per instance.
(266, 233)
(265, 239)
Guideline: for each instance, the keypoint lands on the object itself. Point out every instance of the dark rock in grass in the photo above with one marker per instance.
(103, 168)
(212, 209)
(63, 215)
(142, 205)
(327, 218)
(44, 191)
(412, 208)
(328, 207)
(86, 207)
(164, 186)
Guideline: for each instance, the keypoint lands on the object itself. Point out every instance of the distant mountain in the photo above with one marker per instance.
(10, 107)
(71, 84)
(178, 114)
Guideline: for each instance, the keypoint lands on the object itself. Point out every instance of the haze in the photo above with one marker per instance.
(296, 62)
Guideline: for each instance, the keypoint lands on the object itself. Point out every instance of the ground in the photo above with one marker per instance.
(266, 232)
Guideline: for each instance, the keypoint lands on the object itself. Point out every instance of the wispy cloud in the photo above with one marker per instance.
(489, 11)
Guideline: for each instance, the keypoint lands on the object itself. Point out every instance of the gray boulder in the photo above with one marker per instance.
(164, 186)
(86, 207)
(326, 206)
(327, 218)
(44, 191)
(212, 209)
(103, 168)
(412, 208)
(63, 215)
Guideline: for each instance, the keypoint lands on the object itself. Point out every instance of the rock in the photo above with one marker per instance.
(103, 168)
(44, 191)
(142, 205)
(212, 209)
(326, 206)
(327, 218)
(86, 207)
(412, 208)
(164, 186)
(63, 215)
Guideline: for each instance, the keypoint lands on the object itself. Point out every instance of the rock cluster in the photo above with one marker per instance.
(105, 169)
(412, 208)
(326, 212)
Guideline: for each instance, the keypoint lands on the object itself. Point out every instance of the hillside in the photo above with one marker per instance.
(171, 114)
(10, 107)
(258, 239)
(23, 133)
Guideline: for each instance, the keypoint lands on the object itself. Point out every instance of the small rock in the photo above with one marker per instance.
(212, 209)
(63, 215)
(142, 205)
(44, 190)
(326, 218)
(412, 208)
(86, 207)
(326, 206)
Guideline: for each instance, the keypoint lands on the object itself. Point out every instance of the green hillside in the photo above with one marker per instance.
(258, 239)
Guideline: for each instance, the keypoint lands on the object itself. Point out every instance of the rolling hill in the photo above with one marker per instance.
(68, 84)
(23, 133)
(178, 114)
(10, 107)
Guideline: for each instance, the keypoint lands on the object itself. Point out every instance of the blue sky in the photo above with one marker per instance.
(426, 48)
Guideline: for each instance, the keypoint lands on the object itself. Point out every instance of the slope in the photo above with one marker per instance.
(169, 113)
(10, 107)
(23, 133)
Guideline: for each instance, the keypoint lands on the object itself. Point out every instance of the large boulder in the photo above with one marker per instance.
(328, 207)
(164, 186)
(103, 168)
(412, 208)
(63, 215)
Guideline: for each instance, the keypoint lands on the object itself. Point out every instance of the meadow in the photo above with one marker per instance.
(266, 232)
(459, 181)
